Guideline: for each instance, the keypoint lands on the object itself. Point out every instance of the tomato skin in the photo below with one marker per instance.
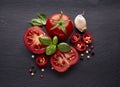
(41, 60)
(61, 62)
(87, 38)
(57, 31)
(31, 40)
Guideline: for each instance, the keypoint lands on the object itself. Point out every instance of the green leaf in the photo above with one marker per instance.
(45, 40)
(40, 21)
(43, 18)
(63, 47)
(55, 40)
(35, 22)
(51, 49)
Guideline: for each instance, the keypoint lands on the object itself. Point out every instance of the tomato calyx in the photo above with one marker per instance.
(60, 23)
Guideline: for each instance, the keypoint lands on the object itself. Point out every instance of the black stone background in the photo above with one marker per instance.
(103, 18)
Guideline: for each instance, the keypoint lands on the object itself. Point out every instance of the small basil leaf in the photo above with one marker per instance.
(51, 49)
(43, 18)
(45, 40)
(63, 47)
(35, 22)
(55, 40)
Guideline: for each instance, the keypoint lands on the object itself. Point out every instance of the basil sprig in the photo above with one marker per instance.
(52, 45)
(39, 21)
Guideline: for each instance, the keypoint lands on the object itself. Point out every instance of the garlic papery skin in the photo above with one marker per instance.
(80, 23)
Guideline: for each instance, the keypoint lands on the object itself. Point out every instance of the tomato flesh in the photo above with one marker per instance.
(87, 38)
(62, 61)
(57, 31)
(41, 60)
(31, 39)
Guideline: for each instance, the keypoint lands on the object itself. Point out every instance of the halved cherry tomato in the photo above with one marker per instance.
(59, 25)
(41, 60)
(75, 38)
(62, 61)
(31, 39)
(80, 46)
(87, 38)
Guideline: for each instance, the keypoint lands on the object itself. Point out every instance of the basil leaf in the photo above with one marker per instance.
(35, 22)
(51, 49)
(63, 47)
(55, 40)
(43, 18)
(45, 40)
(40, 21)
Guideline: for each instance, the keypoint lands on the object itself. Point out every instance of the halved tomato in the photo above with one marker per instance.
(31, 39)
(62, 61)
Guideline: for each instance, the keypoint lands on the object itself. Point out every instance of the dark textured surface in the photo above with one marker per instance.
(103, 19)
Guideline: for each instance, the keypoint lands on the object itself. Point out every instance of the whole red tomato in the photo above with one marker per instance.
(59, 25)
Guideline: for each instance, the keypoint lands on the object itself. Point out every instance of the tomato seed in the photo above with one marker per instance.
(52, 68)
(32, 74)
(41, 76)
(92, 53)
(42, 70)
(30, 70)
(92, 47)
(88, 57)
(33, 56)
(87, 51)
(82, 54)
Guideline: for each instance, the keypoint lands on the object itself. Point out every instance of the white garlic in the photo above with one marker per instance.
(80, 23)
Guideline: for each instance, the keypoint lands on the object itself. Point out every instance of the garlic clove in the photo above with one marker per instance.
(80, 23)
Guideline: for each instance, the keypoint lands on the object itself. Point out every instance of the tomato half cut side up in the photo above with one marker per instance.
(87, 38)
(80, 46)
(31, 40)
(41, 60)
(62, 61)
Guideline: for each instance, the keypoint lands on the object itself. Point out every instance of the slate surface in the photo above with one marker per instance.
(103, 19)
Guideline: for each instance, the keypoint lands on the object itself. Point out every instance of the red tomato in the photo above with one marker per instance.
(87, 38)
(80, 46)
(31, 40)
(62, 61)
(59, 25)
(75, 38)
(41, 60)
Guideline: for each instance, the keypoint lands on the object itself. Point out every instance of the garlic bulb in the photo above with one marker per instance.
(80, 23)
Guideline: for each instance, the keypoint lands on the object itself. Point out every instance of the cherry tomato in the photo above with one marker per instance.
(87, 38)
(80, 46)
(75, 38)
(61, 62)
(31, 40)
(59, 25)
(41, 60)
